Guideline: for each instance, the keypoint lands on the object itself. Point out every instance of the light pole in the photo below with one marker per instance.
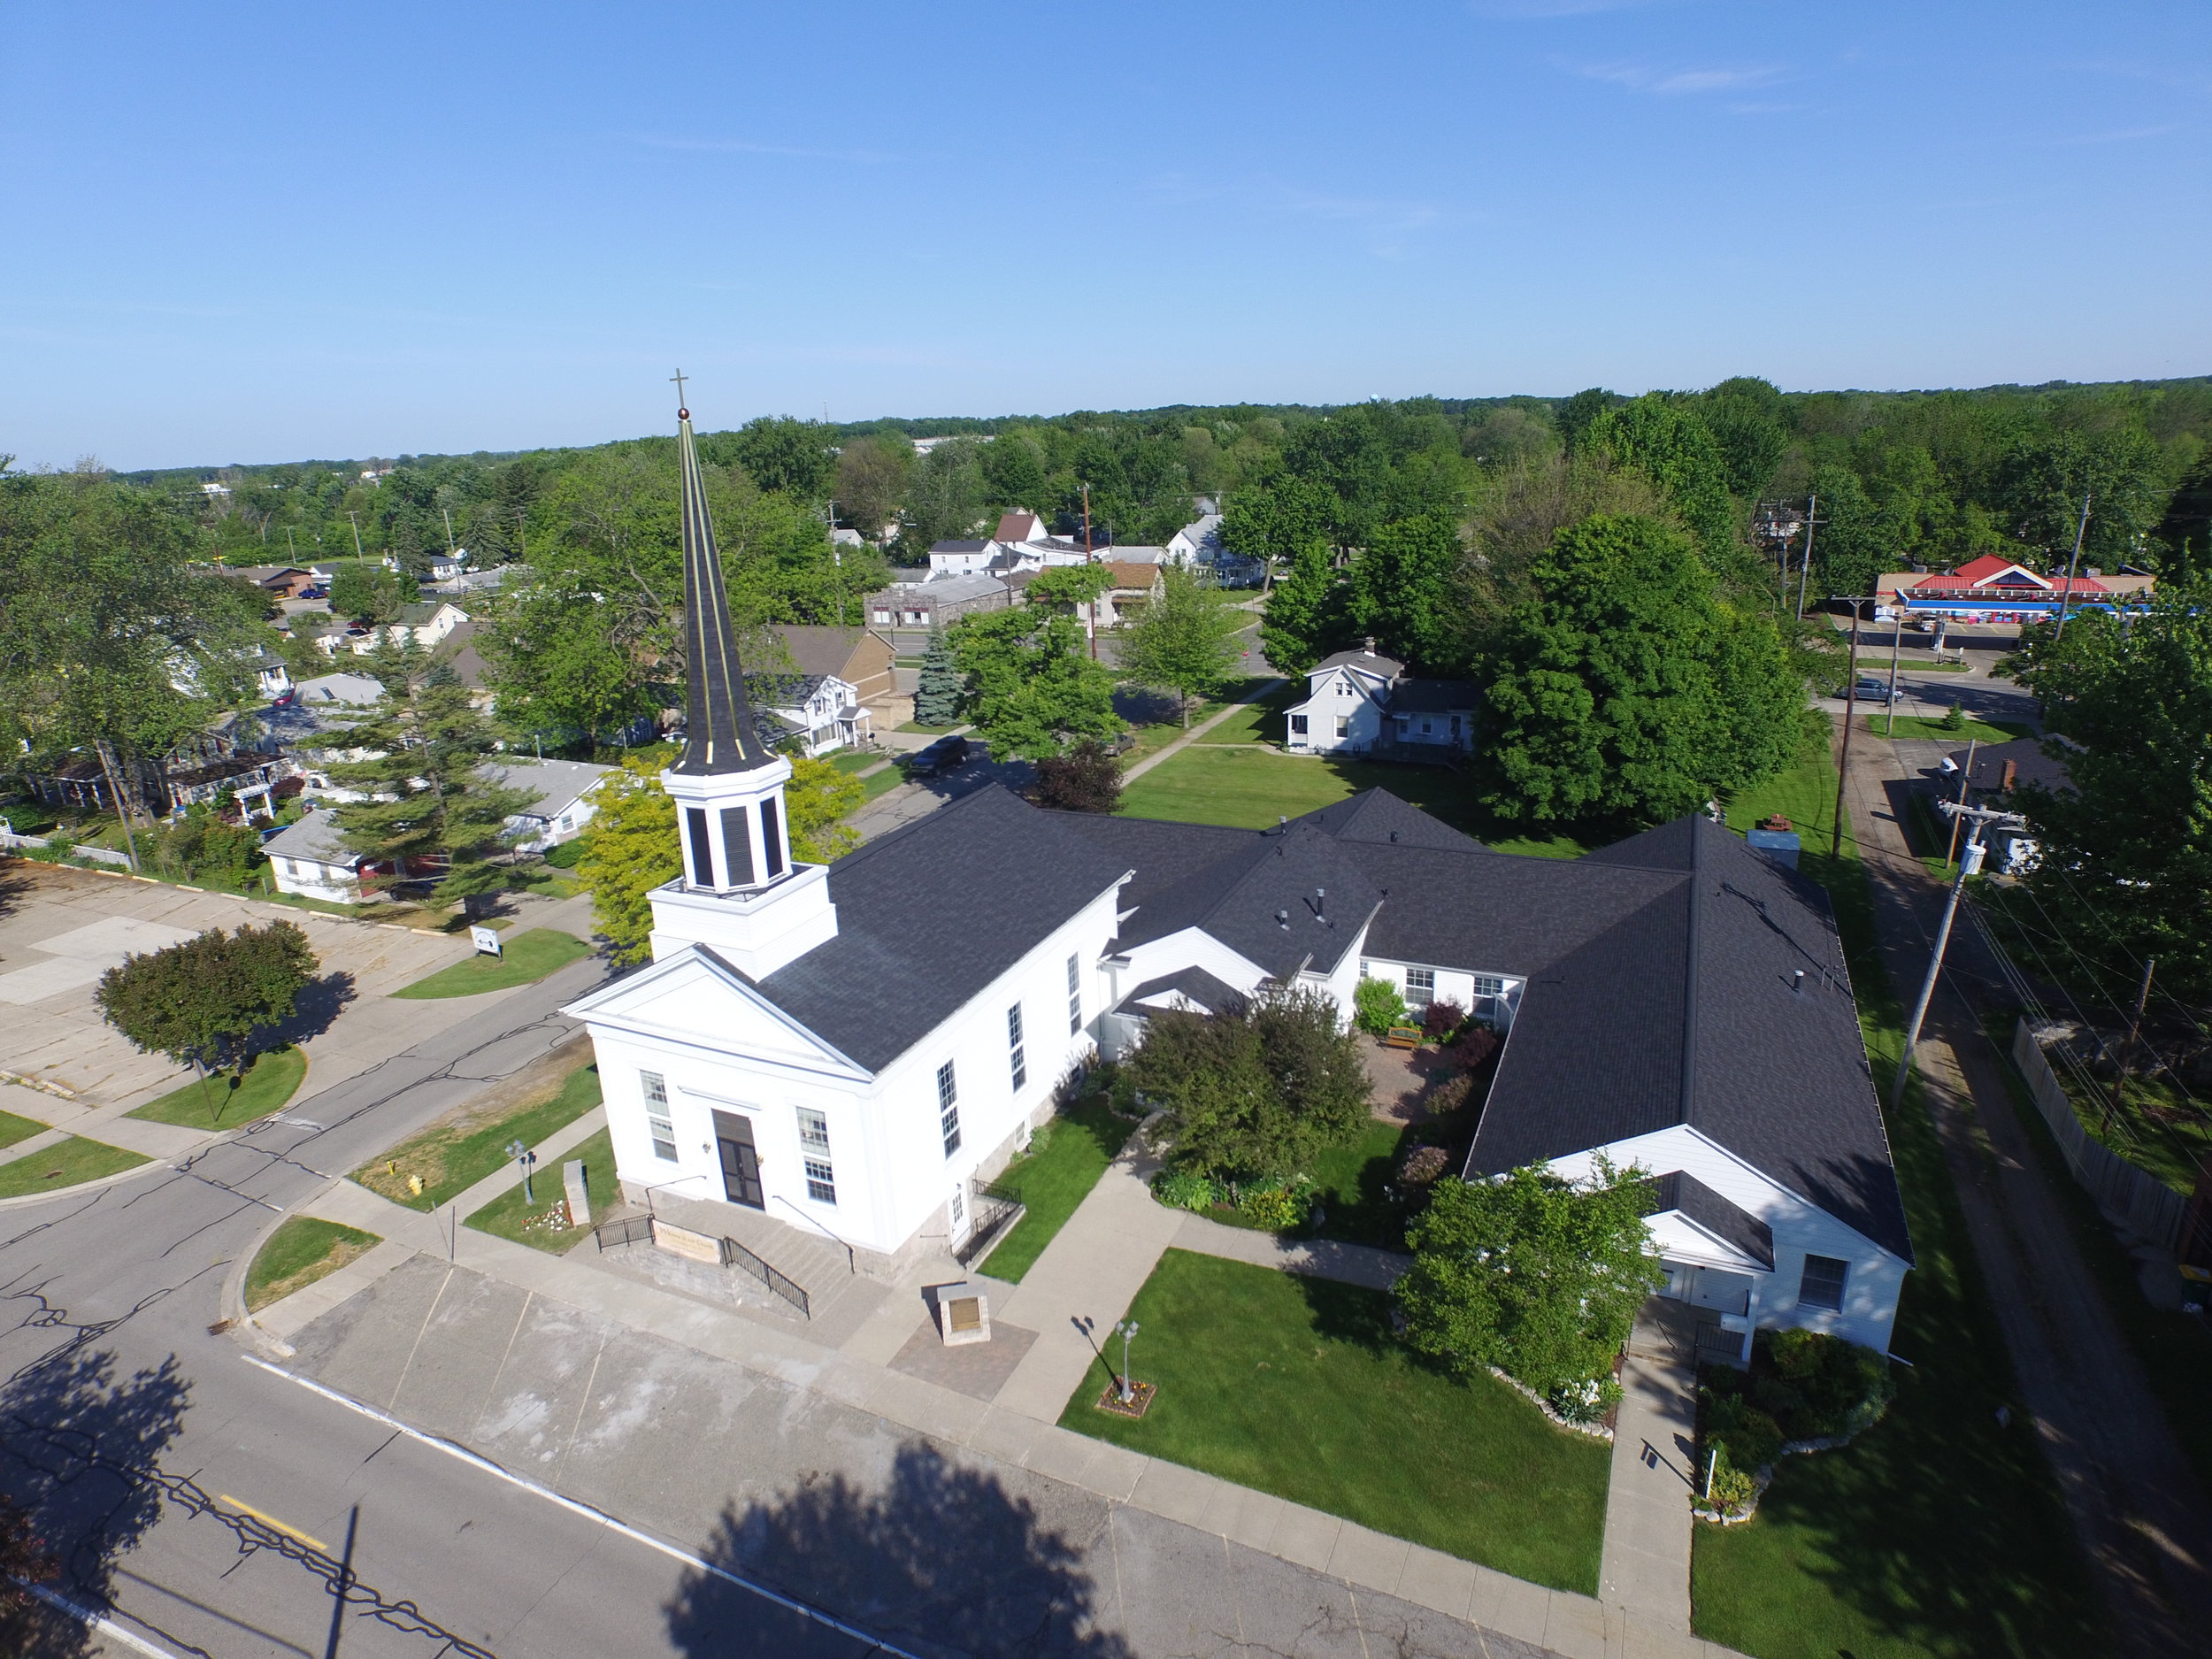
(2074, 558)
(523, 1156)
(1128, 1328)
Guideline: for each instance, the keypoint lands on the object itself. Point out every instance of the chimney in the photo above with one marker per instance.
(1370, 645)
(2011, 776)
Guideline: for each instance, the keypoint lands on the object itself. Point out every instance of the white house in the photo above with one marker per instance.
(1198, 543)
(309, 859)
(817, 712)
(561, 805)
(843, 1051)
(1358, 702)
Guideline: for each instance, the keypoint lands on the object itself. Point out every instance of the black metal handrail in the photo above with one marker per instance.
(735, 1254)
(624, 1230)
(994, 1213)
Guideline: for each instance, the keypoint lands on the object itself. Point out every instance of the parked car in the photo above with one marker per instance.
(1872, 691)
(942, 757)
(314, 592)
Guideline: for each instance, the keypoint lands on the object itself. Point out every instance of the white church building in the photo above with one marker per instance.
(847, 1050)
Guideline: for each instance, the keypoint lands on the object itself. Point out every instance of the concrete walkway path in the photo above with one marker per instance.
(1645, 1569)
(1266, 689)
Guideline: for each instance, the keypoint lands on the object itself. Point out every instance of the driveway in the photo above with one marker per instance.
(62, 928)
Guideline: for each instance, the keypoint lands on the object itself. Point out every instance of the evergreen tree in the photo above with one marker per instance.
(430, 806)
(937, 690)
(1186, 642)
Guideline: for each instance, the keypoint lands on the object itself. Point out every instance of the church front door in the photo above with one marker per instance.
(740, 1163)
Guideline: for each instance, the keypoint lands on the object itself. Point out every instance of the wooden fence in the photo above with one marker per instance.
(2145, 1205)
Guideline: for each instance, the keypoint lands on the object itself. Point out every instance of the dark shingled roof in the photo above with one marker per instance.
(914, 942)
(1682, 1192)
(1434, 697)
(1685, 1010)
(2030, 765)
(1195, 983)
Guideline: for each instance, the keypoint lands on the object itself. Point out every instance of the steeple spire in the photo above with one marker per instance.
(720, 736)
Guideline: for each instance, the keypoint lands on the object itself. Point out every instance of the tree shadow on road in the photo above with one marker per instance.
(78, 1444)
(943, 1559)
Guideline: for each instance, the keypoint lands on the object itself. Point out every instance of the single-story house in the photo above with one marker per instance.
(937, 603)
(2000, 590)
(278, 581)
(309, 859)
(1359, 702)
(561, 806)
(342, 689)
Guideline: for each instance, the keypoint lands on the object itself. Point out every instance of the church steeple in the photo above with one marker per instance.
(719, 735)
(727, 785)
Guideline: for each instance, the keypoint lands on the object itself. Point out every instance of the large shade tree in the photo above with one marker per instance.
(1621, 689)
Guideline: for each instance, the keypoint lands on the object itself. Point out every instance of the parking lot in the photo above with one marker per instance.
(62, 928)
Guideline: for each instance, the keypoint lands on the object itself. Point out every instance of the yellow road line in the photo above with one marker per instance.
(271, 1520)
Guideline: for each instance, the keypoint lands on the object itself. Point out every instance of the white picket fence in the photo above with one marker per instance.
(2146, 1206)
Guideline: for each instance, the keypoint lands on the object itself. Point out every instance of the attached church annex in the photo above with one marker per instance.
(849, 1050)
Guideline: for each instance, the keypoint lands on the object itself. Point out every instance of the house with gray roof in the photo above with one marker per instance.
(560, 804)
(1362, 702)
(310, 860)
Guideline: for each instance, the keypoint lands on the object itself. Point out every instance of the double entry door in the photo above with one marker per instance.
(741, 1162)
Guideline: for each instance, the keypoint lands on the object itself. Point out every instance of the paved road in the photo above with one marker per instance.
(150, 1444)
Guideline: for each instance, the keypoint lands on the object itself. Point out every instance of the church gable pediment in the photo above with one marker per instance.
(694, 999)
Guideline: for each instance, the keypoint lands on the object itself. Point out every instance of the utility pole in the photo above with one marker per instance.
(448, 513)
(1805, 575)
(1850, 719)
(2127, 1049)
(2067, 592)
(355, 519)
(1966, 781)
(1896, 644)
(1090, 558)
(1970, 863)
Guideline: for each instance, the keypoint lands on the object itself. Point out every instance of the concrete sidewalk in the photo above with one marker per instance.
(1645, 1571)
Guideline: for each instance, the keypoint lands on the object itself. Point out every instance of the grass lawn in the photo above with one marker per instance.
(224, 1102)
(1065, 1158)
(64, 1163)
(1972, 732)
(537, 1226)
(1348, 1181)
(1260, 722)
(880, 783)
(1937, 1532)
(298, 1254)
(13, 1128)
(1249, 788)
(916, 725)
(1296, 1387)
(526, 957)
(454, 1154)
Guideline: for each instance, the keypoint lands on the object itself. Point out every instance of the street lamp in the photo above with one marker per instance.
(1128, 1328)
(523, 1156)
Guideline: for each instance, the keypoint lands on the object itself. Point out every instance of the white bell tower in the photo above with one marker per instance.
(739, 893)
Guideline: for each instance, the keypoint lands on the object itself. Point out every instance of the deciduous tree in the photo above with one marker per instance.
(1405, 587)
(1527, 1271)
(631, 848)
(1034, 690)
(1308, 615)
(816, 802)
(1185, 640)
(212, 1001)
(1087, 778)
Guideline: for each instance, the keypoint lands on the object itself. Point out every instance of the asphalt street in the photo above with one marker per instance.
(215, 1507)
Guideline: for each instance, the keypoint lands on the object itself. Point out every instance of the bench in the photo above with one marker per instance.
(1403, 1037)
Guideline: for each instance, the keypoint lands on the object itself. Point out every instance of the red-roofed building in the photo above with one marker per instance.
(1994, 589)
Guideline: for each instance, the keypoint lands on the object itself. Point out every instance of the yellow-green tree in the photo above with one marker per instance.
(631, 848)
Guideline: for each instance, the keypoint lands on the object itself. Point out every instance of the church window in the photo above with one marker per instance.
(737, 847)
(1017, 1058)
(1075, 997)
(948, 1107)
(657, 1122)
(1489, 985)
(771, 843)
(702, 854)
(1420, 984)
(814, 1152)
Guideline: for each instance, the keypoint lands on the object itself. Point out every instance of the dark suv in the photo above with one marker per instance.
(941, 757)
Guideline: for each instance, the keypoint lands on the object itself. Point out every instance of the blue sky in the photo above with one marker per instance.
(261, 232)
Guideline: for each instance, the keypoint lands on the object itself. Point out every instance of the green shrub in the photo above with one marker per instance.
(1377, 1006)
(1274, 1206)
(1730, 1490)
(1451, 1095)
(1747, 1436)
(1815, 1386)
(1423, 1167)
(1185, 1189)
(565, 856)
(1588, 1400)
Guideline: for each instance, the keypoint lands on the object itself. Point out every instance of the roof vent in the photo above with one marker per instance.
(1282, 918)
(1393, 835)
(1797, 981)
(1320, 904)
